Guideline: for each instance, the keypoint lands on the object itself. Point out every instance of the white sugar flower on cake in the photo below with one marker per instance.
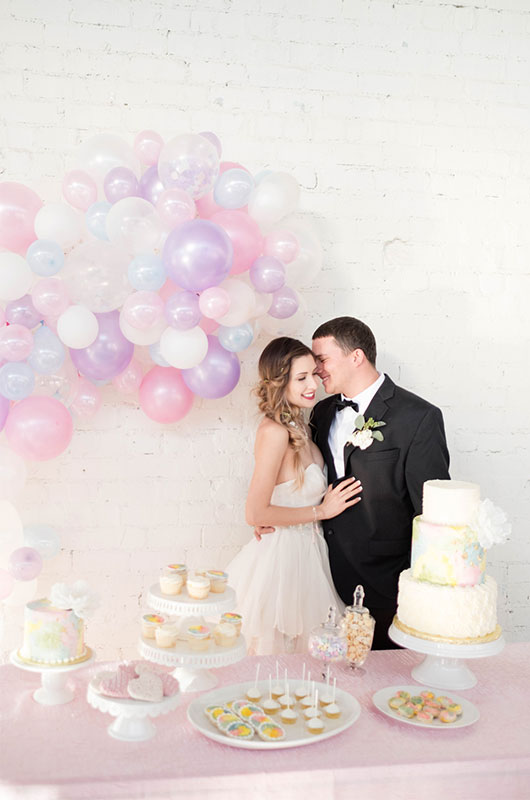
(79, 597)
(491, 524)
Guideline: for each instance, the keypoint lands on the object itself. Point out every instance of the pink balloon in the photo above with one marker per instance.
(175, 206)
(18, 209)
(130, 379)
(50, 296)
(214, 302)
(2, 317)
(282, 245)
(164, 396)
(245, 236)
(25, 563)
(16, 343)
(7, 583)
(206, 205)
(168, 289)
(87, 399)
(39, 428)
(147, 146)
(79, 189)
(142, 310)
(208, 325)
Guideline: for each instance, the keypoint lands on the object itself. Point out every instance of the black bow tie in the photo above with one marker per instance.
(340, 404)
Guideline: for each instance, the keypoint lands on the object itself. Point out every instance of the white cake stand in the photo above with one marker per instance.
(444, 664)
(192, 668)
(54, 689)
(133, 717)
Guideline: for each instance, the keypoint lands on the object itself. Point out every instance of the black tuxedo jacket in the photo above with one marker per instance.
(370, 543)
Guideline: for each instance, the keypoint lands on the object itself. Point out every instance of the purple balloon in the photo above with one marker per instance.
(216, 375)
(120, 182)
(109, 354)
(182, 310)
(198, 254)
(4, 410)
(151, 187)
(23, 312)
(213, 139)
(25, 563)
(267, 274)
(284, 303)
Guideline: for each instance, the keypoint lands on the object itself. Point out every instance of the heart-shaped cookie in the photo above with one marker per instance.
(170, 684)
(116, 685)
(146, 686)
(147, 666)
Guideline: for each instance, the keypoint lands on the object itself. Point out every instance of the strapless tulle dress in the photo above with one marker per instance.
(283, 583)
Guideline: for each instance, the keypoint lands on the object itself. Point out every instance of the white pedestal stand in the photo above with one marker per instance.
(54, 689)
(133, 717)
(192, 667)
(444, 665)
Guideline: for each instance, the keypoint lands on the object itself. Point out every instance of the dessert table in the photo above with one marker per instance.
(64, 751)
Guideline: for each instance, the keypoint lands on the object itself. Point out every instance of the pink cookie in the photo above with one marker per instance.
(146, 666)
(169, 683)
(147, 686)
(116, 686)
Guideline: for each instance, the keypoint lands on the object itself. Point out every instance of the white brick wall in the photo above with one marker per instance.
(408, 126)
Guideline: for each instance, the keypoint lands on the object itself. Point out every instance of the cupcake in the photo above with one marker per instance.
(332, 711)
(171, 583)
(199, 637)
(166, 635)
(198, 587)
(315, 725)
(150, 622)
(288, 716)
(218, 580)
(225, 634)
(271, 706)
(233, 619)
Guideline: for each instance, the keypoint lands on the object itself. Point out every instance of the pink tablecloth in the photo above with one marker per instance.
(51, 753)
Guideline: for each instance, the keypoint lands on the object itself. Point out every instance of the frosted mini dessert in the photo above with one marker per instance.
(271, 732)
(315, 725)
(218, 580)
(166, 635)
(178, 569)
(171, 583)
(225, 634)
(288, 716)
(198, 587)
(199, 637)
(150, 622)
(233, 619)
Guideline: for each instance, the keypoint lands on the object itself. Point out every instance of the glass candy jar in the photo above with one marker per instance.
(358, 626)
(327, 641)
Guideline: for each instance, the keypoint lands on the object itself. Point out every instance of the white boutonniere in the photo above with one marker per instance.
(365, 432)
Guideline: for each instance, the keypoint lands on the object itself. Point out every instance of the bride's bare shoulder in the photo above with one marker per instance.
(271, 432)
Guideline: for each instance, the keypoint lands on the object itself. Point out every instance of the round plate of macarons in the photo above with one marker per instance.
(246, 715)
(426, 708)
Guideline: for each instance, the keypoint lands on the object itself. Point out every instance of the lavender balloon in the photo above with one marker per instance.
(120, 182)
(182, 310)
(198, 254)
(23, 312)
(267, 274)
(151, 187)
(284, 303)
(109, 354)
(25, 563)
(216, 375)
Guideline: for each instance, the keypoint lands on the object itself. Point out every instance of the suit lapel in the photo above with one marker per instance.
(324, 425)
(377, 409)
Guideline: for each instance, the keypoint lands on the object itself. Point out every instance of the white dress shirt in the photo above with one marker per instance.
(343, 423)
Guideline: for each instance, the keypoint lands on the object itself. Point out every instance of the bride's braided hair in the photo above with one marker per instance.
(274, 368)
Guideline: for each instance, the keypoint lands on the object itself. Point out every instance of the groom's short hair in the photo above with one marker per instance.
(350, 334)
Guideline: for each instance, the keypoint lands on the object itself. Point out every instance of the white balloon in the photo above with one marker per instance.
(242, 303)
(263, 303)
(103, 152)
(184, 349)
(273, 198)
(303, 269)
(16, 276)
(23, 592)
(134, 224)
(61, 385)
(77, 327)
(144, 337)
(11, 529)
(59, 223)
(95, 274)
(12, 473)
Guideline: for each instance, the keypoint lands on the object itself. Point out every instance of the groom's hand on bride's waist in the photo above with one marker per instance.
(261, 530)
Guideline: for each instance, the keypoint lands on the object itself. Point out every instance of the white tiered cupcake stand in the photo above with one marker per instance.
(444, 665)
(54, 689)
(192, 667)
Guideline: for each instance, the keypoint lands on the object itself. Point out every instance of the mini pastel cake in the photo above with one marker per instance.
(150, 622)
(178, 569)
(234, 619)
(198, 587)
(218, 580)
(51, 635)
(171, 583)
(225, 635)
(199, 637)
(166, 634)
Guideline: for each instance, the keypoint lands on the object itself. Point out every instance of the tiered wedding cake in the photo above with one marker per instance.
(446, 595)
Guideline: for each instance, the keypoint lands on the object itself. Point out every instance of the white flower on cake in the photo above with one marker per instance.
(365, 433)
(491, 524)
(79, 597)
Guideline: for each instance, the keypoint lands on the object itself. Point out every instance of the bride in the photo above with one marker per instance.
(282, 580)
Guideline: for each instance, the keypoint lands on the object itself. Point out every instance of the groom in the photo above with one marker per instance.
(370, 543)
